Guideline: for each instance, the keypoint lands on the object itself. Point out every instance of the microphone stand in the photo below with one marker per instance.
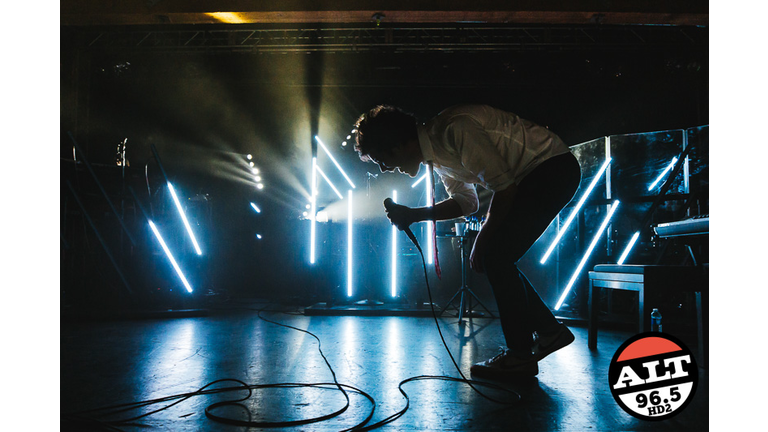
(368, 183)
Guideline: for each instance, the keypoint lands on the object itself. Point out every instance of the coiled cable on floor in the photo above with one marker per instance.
(85, 421)
(82, 421)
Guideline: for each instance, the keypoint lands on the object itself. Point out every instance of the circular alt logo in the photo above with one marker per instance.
(653, 376)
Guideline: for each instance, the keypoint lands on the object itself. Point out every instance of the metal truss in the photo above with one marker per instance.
(391, 39)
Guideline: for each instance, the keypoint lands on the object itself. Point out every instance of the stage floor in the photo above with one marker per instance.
(105, 363)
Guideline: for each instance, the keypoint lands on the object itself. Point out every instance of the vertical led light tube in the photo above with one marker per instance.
(313, 211)
(184, 219)
(598, 234)
(430, 237)
(663, 173)
(575, 211)
(625, 254)
(170, 256)
(349, 244)
(394, 251)
(686, 167)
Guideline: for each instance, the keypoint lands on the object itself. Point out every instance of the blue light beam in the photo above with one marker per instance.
(184, 219)
(349, 244)
(329, 182)
(170, 256)
(592, 245)
(313, 212)
(394, 251)
(663, 173)
(256, 208)
(430, 237)
(629, 247)
(325, 149)
(421, 179)
(575, 211)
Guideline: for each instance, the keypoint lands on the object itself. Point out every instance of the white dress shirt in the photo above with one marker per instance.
(478, 144)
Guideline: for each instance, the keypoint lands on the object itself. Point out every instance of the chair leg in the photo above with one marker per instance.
(641, 321)
(594, 307)
(700, 329)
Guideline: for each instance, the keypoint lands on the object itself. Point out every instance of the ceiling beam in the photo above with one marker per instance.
(148, 12)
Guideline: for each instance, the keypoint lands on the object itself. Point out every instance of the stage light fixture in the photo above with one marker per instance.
(394, 251)
(255, 171)
(251, 164)
(249, 156)
(631, 244)
(575, 211)
(170, 256)
(255, 207)
(329, 182)
(592, 245)
(260, 186)
(325, 149)
(313, 212)
(349, 244)
(258, 236)
(663, 173)
(184, 219)
(257, 178)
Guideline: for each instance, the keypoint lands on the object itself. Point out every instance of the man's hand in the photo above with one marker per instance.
(400, 216)
(478, 252)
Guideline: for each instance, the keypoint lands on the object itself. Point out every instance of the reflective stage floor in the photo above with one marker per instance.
(105, 363)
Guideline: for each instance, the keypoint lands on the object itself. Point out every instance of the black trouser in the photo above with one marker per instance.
(541, 195)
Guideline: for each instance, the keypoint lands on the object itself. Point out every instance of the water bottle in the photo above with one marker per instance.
(656, 320)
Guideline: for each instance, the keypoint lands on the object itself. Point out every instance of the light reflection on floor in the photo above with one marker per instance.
(173, 362)
(147, 359)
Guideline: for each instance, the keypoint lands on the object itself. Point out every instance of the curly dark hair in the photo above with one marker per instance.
(383, 128)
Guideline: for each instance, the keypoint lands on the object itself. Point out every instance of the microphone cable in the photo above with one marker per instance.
(463, 379)
(90, 420)
(82, 421)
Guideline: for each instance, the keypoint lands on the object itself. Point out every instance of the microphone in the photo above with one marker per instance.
(389, 205)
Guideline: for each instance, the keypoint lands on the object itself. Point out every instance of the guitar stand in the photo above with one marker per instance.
(464, 294)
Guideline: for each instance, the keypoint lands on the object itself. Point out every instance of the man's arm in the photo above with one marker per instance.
(448, 209)
(402, 217)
